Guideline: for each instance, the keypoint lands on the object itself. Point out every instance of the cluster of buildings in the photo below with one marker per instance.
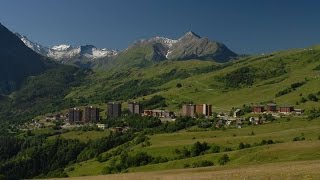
(158, 113)
(272, 108)
(114, 110)
(89, 115)
(192, 110)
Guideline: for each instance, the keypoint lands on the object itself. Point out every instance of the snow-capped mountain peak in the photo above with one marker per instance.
(61, 47)
(166, 41)
(32, 45)
(66, 52)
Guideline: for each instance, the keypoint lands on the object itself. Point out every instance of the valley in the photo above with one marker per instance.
(61, 117)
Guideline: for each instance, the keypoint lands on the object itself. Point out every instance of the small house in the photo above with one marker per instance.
(258, 109)
(299, 111)
(286, 109)
(272, 107)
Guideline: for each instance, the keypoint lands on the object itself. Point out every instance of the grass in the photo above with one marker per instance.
(283, 131)
(204, 88)
(291, 151)
(43, 131)
(87, 168)
(282, 170)
(83, 136)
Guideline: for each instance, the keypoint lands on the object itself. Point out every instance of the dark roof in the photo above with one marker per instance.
(286, 106)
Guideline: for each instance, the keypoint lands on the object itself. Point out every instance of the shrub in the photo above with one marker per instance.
(284, 92)
(197, 148)
(204, 163)
(303, 100)
(215, 149)
(241, 146)
(106, 170)
(155, 102)
(244, 145)
(224, 159)
(185, 153)
(317, 68)
(268, 117)
(270, 141)
(290, 89)
(301, 138)
(241, 77)
(204, 124)
(159, 159)
(186, 165)
(314, 113)
(297, 84)
(265, 142)
(313, 97)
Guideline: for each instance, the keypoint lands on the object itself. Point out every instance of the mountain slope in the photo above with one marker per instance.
(254, 79)
(192, 46)
(140, 54)
(17, 61)
(31, 84)
(189, 46)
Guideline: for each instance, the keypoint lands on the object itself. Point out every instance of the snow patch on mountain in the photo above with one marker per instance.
(63, 52)
(68, 52)
(166, 41)
(34, 46)
(62, 47)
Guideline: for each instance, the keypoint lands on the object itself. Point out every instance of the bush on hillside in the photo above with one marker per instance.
(313, 97)
(224, 159)
(203, 163)
(215, 149)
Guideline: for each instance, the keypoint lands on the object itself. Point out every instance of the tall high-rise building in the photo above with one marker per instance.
(208, 110)
(91, 114)
(192, 110)
(135, 108)
(75, 115)
(114, 110)
(188, 110)
(204, 109)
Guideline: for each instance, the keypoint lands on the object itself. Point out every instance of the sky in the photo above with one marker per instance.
(245, 26)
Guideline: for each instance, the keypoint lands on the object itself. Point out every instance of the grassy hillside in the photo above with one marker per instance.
(283, 132)
(254, 79)
(41, 94)
(289, 77)
(83, 136)
(17, 62)
(284, 170)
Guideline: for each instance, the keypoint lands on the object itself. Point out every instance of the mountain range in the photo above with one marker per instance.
(189, 46)
(67, 54)
(189, 69)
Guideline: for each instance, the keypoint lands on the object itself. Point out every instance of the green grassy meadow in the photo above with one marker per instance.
(83, 136)
(282, 131)
(202, 85)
